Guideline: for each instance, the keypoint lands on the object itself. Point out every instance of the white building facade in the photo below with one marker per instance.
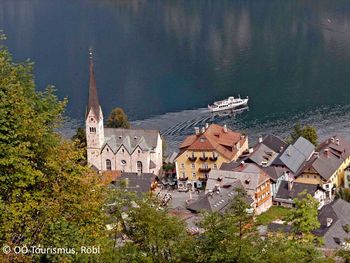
(128, 150)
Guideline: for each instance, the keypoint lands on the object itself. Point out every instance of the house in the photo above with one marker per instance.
(295, 155)
(255, 182)
(347, 177)
(327, 166)
(289, 190)
(218, 199)
(110, 149)
(134, 182)
(335, 224)
(265, 151)
(276, 174)
(207, 149)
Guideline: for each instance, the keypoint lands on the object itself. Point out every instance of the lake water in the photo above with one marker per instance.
(164, 61)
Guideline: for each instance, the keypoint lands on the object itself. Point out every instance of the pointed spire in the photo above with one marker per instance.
(94, 103)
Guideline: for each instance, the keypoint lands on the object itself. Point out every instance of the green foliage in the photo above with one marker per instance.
(344, 193)
(308, 132)
(154, 235)
(118, 119)
(228, 237)
(281, 249)
(79, 138)
(304, 216)
(274, 213)
(46, 197)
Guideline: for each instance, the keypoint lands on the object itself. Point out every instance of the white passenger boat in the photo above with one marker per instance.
(228, 104)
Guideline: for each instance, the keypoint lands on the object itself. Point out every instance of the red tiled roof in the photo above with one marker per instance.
(214, 138)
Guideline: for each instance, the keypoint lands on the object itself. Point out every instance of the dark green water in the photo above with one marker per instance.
(291, 57)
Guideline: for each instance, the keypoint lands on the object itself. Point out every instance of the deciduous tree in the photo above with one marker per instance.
(118, 119)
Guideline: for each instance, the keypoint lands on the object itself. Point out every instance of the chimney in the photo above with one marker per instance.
(196, 129)
(242, 164)
(332, 140)
(281, 149)
(260, 139)
(317, 154)
(225, 128)
(289, 152)
(251, 150)
(326, 152)
(203, 129)
(337, 141)
(329, 221)
(206, 125)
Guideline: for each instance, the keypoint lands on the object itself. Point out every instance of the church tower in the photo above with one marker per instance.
(94, 122)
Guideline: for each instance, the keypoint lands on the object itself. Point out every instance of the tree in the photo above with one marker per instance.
(282, 249)
(344, 193)
(46, 196)
(228, 237)
(304, 217)
(308, 132)
(79, 138)
(118, 119)
(154, 235)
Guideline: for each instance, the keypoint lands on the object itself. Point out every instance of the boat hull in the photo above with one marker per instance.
(244, 102)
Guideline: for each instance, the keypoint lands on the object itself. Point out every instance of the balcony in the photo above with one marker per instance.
(213, 158)
(203, 179)
(203, 158)
(204, 170)
(183, 178)
(192, 158)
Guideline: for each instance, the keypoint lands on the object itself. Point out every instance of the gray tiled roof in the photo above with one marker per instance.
(139, 183)
(296, 155)
(297, 188)
(339, 212)
(218, 201)
(262, 153)
(274, 172)
(130, 139)
(274, 143)
(249, 180)
(327, 164)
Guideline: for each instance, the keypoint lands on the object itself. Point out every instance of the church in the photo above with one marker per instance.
(115, 149)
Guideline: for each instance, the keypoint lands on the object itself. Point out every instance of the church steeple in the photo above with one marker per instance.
(93, 103)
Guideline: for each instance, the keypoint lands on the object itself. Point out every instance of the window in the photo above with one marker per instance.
(183, 166)
(215, 166)
(107, 150)
(123, 162)
(108, 165)
(139, 167)
(91, 119)
(123, 150)
(138, 151)
(92, 129)
(193, 175)
(193, 166)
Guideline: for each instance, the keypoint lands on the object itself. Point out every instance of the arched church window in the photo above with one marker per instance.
(139, 167)
(108, 165)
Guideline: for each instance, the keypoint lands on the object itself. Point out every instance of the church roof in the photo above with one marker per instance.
(130, 139)
(94, 103)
